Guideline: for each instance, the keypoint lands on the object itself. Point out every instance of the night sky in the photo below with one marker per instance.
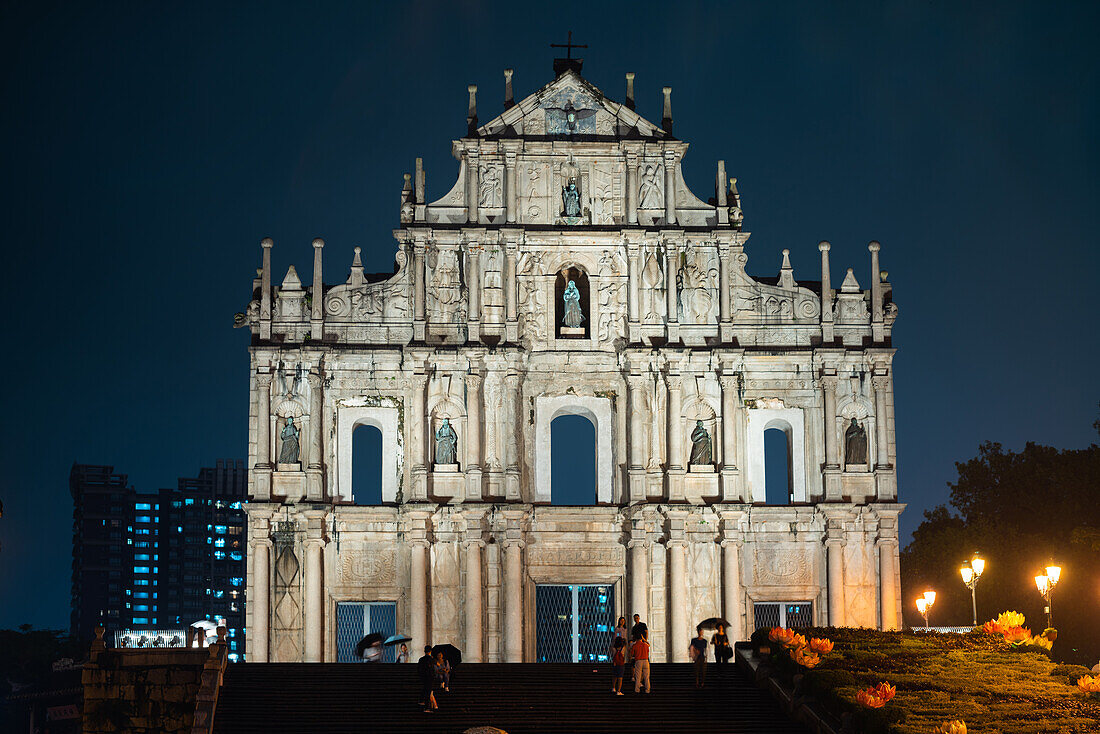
(147, 149)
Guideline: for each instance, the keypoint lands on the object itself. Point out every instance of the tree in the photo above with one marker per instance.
(1022, 511)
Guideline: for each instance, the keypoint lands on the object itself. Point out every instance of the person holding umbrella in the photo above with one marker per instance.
(426, 672)
(403, 656)
(370, 648)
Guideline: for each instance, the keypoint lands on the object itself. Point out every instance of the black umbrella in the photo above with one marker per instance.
(372, 639)
(450, 652)
(712, 623)
(395, 639)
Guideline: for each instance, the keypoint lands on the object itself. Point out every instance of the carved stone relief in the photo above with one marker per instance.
(376, 567)
(532, 311)
(653, 299)
(652, 187)
(698, 289)
(490, 186)
(492, 292)
(612, 325)
(774, 566)
(446, 293)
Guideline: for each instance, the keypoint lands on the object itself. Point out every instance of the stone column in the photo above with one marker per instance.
(513, 601)
(677, 595)
(675, 423)
(510, 186)
(473, 287)
(729, 417)
(639, 575)
(882, 442)
(263, 420)
(888, 593)
(510, 281)
(670, 189)
(638, 384)
(417, 384)
(473, 437)
(474, 591)
(473, 184)
(513, 409)
(731, 588)
(314, 609)
(631, 188)
(835, 549)
(633, 294)
(315, 489)
(724, 284)
(420, 276)
(672, 267)
(418, 595)
(260, 601)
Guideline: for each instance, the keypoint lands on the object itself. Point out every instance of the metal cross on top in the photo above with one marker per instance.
(569, 46)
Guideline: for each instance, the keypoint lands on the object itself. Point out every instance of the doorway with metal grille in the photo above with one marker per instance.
(573, 623)
(357, 619)
(782, 614)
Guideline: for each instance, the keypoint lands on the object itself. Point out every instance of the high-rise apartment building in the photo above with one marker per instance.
(158, 561)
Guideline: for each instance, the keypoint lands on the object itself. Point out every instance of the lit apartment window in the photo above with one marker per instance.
(143, 506)
(141, 569)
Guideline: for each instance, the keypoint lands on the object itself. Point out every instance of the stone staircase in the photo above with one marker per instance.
(274, 698)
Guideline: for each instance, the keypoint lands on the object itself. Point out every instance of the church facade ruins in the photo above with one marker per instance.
(570, 270)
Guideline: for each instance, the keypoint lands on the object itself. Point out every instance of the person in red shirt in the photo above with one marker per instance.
(618, 665)
(640, 652)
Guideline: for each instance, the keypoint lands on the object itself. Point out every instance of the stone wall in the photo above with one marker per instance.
(148, 690)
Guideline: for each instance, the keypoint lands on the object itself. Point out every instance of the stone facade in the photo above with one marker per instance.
(469, 328)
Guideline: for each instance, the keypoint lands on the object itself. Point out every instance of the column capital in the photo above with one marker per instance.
(735, 542)
(729, 382)
(473, 380)
(513, 543)
(478, 542)
(263, 379)
(880, 381)
(638, 543)
(833, 541)
(676, 543)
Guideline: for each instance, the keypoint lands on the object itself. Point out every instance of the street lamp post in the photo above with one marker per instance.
(924, 605)
(970, 576)
(1046, 582)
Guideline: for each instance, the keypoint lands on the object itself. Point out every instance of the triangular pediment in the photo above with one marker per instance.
(570, 106)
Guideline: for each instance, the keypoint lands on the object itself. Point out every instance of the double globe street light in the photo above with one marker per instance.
(970, 575)
(1046, 582)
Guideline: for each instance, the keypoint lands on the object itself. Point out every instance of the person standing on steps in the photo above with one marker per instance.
(636, 631)
(618, 665)
(640, 652)
(698, 652)
(722, 650)
(426, 672)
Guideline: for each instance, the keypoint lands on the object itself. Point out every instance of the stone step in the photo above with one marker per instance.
(274, 698)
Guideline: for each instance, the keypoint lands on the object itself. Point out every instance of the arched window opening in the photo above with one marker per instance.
(566, 324)
(572, 461)
(366, 458)
(778, 480)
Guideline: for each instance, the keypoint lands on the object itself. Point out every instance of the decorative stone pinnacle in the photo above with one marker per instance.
(408, 182)
(267, 242)
(509, 100)
(874, 246)
(472, 89)
(823, 245)
(630, 89)
(357, 261)
(318, 243)
(666, 116)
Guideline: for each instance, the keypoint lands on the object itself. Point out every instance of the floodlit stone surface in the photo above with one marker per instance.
(470, 328)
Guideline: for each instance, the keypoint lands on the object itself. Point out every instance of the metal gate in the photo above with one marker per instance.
(782, 614)
(356, 619)
(573, 623)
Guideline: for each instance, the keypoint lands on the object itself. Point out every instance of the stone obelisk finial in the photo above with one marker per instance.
(630, 89)
(471, 112)
(666, 116)
(509, 100)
